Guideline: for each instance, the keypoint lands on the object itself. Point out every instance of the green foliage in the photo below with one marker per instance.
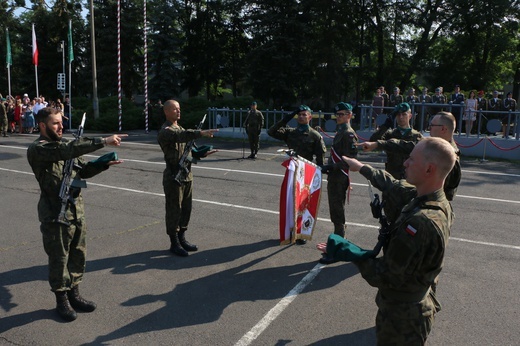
(281, 52)
(132, 116)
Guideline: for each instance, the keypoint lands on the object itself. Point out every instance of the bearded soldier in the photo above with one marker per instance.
(64, 241)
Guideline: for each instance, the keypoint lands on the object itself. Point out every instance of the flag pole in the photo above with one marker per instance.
(120, 112)
(35, 59)
(71, 57)
(145, 70)
(8, 60)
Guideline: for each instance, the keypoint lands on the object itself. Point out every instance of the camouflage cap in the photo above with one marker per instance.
(402, 107)
(343, 106)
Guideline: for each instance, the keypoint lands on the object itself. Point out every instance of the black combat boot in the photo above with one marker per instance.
(63, 307)
(185, 244)
(78, 302)
(252, 156)
(340, 230)
(176, 247)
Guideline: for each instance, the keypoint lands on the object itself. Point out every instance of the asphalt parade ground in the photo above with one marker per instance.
(242, 287)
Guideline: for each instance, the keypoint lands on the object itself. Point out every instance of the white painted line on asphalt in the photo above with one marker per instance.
(273, 211)
(486, 243)
(250, 336)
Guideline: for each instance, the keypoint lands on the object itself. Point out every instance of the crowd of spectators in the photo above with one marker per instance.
(21, 112)
(473, 104)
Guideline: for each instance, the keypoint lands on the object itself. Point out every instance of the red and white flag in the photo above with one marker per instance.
(299, 200)
(34, 48)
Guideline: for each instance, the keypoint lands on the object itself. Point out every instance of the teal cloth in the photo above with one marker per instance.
(199, 152)
(303, 127)
(341, 127)
(340, 249)
(105, 159)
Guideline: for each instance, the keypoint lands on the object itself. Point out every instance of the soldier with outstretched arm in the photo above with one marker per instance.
(178, 189)
(407, 273)
(64, 240)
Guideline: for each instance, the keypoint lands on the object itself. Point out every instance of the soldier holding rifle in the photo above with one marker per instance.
(178, 187)
(64, 236)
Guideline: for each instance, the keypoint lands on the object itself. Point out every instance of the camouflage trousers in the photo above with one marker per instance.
(337, 190)
(254, 140)
(405, 323)
(178, 205)
(65, 246)
(3, 125)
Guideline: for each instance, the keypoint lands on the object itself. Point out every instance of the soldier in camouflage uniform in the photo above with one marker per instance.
(396, 98)
(65, 244)
(338, 182)
(253, 125)
(173, 138)
(407, 273)
(304, 140)
(438, 98)
(395, 159)
(3, 120)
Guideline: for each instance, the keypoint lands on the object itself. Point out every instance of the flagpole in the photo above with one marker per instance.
(9, 78)
(35, 59)
(145, 70)
(8, 60)
(71, 57)
(120, 112)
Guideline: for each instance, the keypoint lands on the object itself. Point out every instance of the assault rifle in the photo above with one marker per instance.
(185, 161)
(66, 193)
(377, 212)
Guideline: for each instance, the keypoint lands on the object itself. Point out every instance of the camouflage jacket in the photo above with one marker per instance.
(405, 147)
(254, 120)
(415, 253)
(306, 144)
(344, 144)
(452, 180)
(173, 139)
(397, 193)
(47, 158)
(395, 159)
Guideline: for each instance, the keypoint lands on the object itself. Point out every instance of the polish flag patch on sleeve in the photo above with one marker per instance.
(411, 230)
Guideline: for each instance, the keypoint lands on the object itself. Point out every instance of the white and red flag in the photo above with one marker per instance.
(34, 48)
(299, 199)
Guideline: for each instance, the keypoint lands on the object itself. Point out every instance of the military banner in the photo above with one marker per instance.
(299, 200)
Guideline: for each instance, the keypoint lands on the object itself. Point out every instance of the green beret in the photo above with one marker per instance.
(304, 108)
(103, 160)
(200, 152)
(402, 107)
(253, 103)
(343, 106)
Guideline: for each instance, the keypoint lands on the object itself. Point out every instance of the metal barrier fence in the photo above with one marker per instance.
(422, 113)
(234, 118)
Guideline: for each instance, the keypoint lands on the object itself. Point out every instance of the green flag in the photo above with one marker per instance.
(8, 58)
(71, 51)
